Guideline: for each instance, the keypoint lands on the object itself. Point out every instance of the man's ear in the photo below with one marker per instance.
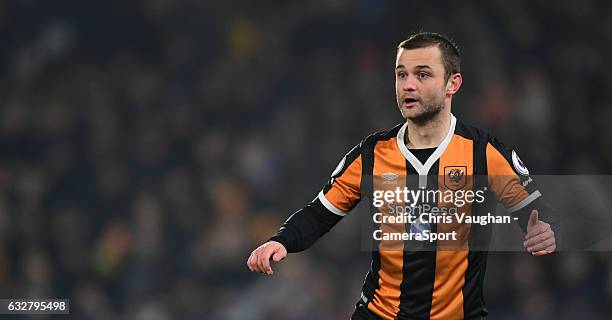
(453, 84)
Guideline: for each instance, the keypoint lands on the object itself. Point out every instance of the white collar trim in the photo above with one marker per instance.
(423, 169)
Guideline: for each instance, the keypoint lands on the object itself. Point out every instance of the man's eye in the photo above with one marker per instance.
(401, 75)
(423, 75)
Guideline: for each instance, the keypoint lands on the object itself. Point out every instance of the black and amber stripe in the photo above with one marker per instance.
(425, 284)
(444, 281)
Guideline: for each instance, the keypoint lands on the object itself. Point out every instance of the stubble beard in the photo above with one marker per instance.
(428, 109)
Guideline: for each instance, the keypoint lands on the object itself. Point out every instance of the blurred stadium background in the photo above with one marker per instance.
(149, 146)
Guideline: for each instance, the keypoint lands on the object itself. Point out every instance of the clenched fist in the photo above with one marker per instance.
(259, 261)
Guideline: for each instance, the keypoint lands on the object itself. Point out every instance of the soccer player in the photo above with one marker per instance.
(409, 283)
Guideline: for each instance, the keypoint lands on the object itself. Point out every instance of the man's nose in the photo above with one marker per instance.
(409, 83)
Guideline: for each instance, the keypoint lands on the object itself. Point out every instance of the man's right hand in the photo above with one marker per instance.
(259, 261)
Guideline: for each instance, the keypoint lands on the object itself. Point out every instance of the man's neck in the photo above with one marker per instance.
(428, 134)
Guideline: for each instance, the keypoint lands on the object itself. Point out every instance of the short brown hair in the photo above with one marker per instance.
(451, 58)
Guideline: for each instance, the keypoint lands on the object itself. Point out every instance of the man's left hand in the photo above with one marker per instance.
(540, 239)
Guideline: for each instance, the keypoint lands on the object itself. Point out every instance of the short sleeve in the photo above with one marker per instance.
(343, 191)
(508, 177)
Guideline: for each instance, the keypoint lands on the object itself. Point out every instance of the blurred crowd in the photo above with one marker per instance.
(149, 146)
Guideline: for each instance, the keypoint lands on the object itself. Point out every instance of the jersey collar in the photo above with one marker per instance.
(423, 169)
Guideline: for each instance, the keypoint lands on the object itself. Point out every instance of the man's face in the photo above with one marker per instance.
(420, 86)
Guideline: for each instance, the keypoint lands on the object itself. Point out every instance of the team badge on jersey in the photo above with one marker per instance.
(455, 177)
(519, 165)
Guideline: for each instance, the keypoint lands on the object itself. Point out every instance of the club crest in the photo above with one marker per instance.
(455, 177)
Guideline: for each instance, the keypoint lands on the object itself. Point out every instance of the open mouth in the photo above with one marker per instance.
(410, 100)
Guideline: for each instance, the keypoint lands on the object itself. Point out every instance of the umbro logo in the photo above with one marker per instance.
(389, 176)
